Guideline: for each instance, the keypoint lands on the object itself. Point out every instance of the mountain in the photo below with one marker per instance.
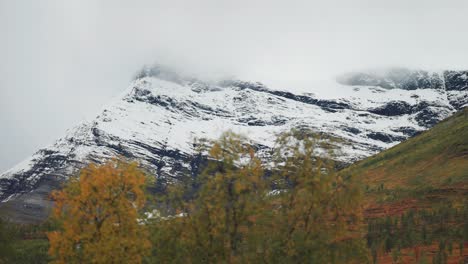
(157, 119)
(425, 170)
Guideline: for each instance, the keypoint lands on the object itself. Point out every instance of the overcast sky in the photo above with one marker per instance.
(60, 61)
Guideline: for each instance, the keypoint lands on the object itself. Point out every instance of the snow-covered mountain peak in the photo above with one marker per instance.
(156, 120)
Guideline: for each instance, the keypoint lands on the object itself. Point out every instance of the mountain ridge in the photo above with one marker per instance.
(157, 119)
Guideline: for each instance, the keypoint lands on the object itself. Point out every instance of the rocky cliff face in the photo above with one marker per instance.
(161, 114)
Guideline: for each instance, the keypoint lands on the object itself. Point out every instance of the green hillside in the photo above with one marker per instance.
(423, 170)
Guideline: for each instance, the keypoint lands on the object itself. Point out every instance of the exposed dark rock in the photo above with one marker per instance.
(428, 117)
(352, 130)
(409, 131)
(458, 100)
(254, 121)
(384, 137)
(328, 105)
(393, 108)
(456, 80)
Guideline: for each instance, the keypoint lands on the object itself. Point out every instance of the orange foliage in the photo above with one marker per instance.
(98, 212)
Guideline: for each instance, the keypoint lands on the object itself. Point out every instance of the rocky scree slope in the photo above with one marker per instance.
(157, 119)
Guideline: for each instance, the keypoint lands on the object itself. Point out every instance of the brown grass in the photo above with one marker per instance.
(410, 255)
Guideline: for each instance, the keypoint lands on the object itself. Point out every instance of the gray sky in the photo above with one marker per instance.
(60, 61)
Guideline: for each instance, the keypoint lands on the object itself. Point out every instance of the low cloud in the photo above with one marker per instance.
(62, 60)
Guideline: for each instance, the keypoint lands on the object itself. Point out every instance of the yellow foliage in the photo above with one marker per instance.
(98, 214)
(235, 217)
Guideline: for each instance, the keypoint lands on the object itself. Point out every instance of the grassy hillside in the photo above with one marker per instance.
(429, 168)
(416, 196)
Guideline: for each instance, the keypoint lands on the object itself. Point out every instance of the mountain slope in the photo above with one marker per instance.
(156, 120)
(429, 168)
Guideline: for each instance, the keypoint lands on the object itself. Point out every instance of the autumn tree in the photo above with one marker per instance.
(231, 199)
(97, 213)
(318, 216)
(218, 223)
(298, 210)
